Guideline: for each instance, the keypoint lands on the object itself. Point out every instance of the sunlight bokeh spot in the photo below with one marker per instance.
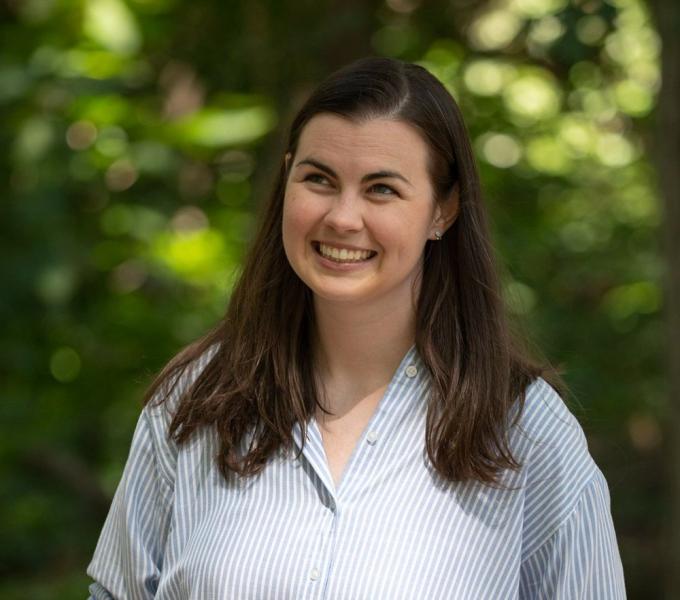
(494, 30)
(35, 11)
(642, 297)
(597, 104)
(188, 219)
(141, 222)
(213, 128)
(637, 206)
(56, 284)
(153, 157)
(121, 175)
(112, 141)
(590, 29)
(443, 59)
(81, 135)
(614, 150)
(113, 25)
(197, 256)
(102, 110)
(445, 52)
(548, 155)
(546, 30)
(501, 150)
(537, 8)
(93, 63)
(14, 81)
(147, 223)
(633, 98)
(486, 77)
(34, 140)
(646, 73)
(65, 364)
(195, 179)
(532, 96)
(578, 134)
(645, 432)
(628, 46)
(128, 277)
(519, 297)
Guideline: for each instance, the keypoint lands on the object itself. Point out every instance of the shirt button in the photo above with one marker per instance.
(314, 574)
(411, 371)
(372, 437)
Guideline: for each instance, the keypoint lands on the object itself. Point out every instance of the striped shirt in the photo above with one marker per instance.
(391, 529)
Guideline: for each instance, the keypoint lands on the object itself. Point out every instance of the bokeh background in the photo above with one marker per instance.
(139, 137)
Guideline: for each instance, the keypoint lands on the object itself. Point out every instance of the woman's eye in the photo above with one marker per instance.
(316, 178)
(382, 189)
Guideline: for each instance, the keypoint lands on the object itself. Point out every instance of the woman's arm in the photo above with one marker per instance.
(569, 547)
(581, 559)
(128, 560)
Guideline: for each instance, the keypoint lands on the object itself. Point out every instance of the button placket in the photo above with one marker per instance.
(320, 566)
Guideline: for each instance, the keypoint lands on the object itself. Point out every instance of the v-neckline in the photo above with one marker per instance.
(370, 424)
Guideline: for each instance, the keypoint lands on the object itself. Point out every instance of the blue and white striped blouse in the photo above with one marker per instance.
(391, 529)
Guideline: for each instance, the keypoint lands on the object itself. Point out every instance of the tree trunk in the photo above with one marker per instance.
(667, 14)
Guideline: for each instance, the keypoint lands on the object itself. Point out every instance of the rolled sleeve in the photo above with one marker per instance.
(128, 559)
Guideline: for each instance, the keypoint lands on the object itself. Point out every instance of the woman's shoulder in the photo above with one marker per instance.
(161, 408)
(546, 416)
(547, 431)
(166, 398)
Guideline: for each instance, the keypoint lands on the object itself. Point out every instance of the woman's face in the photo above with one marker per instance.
(358, 209)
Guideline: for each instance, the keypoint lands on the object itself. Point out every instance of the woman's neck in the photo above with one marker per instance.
(361, 345)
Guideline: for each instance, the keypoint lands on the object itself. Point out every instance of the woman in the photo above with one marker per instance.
(361, 423)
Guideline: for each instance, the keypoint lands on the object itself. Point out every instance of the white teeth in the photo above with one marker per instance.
(343, 254)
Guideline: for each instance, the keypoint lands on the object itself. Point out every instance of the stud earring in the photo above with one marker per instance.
(437, 235)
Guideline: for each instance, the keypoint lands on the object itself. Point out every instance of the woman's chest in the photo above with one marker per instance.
(394, 534)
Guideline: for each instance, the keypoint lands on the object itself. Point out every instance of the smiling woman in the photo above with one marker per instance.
(362, 424)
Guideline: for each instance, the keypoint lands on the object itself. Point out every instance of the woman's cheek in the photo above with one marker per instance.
(296, 221)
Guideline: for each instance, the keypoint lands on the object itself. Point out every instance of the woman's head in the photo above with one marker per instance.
(374, 107)
(358, 211)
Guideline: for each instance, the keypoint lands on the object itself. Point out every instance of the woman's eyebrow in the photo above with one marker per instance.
(384, 174)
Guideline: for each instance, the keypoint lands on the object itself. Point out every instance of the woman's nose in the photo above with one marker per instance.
(345, 212)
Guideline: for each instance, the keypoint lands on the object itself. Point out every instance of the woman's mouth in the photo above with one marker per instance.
(342, 255)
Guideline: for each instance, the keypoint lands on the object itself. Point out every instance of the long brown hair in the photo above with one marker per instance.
(260, 379)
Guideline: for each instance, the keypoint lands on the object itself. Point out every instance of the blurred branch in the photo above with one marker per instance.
(667, 15)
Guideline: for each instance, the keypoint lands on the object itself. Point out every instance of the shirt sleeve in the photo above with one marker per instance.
(128, 559)
(581, 559)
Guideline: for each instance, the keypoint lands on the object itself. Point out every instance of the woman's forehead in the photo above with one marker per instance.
(372, 143)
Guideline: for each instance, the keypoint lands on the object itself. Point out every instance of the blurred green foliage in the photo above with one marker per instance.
(139, 137)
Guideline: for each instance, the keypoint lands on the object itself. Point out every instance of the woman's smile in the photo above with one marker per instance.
(343, 255)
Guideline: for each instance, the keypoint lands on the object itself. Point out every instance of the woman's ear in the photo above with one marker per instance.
(446, 213)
